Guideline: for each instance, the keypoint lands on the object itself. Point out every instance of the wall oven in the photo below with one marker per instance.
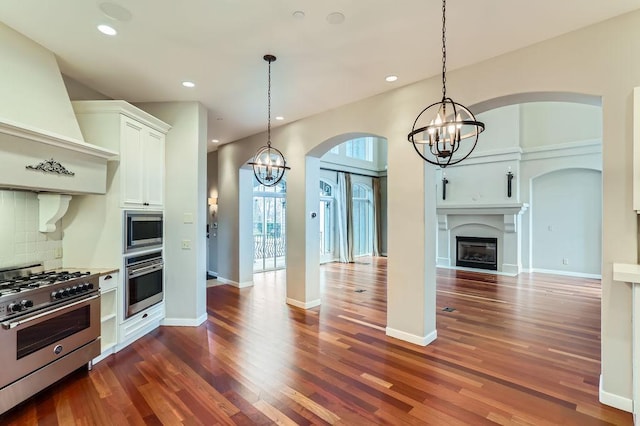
(142, 230)
(144, 282)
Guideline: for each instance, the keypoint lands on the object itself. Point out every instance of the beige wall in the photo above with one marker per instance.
(601, 60)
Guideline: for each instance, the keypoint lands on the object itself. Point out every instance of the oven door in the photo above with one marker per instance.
(30, 342)
(144, 286)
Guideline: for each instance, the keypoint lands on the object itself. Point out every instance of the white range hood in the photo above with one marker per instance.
(41, 145)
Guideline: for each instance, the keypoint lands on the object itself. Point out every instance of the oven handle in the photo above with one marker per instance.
(136, 272)
(9, 325)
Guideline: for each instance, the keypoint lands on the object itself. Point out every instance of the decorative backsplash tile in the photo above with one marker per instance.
(20, 240)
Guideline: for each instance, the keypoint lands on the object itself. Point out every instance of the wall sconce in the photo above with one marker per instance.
(445, 181)
(509, 179)
(213, 204)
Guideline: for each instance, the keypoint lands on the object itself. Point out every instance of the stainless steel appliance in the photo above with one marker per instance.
(142, 230)
(144, 281)
(50, 326)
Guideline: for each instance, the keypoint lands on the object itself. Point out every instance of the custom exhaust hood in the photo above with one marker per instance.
(41, 145)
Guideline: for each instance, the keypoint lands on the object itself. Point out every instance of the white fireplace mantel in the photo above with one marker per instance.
(628, 273)
(482, 209)
(498, 220)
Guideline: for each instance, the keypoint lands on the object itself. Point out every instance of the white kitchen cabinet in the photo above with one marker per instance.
(142, 153)
(139, 138)
(140, 324)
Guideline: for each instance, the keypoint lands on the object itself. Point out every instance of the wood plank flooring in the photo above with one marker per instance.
(519, 351)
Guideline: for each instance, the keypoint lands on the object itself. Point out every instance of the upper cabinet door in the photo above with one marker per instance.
(154, 168)
(132, 141)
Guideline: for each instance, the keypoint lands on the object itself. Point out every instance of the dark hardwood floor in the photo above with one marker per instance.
(523, 350)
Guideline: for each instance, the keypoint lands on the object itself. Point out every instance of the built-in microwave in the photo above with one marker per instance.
(142, 230)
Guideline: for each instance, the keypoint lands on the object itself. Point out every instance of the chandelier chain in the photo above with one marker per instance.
(444, 49)
(269, 108)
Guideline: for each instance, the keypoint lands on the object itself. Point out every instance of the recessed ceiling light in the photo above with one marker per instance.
(298, 14)
(215, 140)
(115, 11)
(107, 30)
(335, 18)
(188, 84)
(391, 78)
(280, 118)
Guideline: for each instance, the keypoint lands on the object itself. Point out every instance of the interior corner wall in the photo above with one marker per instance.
(185, 209)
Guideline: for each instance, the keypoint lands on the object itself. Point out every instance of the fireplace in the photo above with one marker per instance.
(475, 252)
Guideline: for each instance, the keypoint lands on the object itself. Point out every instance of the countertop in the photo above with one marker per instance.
(626, 272)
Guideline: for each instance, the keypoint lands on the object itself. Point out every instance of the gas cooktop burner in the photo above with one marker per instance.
(41, 279)
(25, 289)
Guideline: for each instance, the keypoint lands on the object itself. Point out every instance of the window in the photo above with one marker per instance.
(360, 148)
(362, 220)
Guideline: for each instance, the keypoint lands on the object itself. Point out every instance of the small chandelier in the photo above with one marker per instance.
(269, 164)
(441, 126)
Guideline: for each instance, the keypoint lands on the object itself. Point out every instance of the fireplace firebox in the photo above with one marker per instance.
(476, 252)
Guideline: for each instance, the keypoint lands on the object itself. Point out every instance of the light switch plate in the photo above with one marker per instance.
(188, 218)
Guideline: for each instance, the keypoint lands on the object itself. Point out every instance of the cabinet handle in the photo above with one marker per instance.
(107, 277)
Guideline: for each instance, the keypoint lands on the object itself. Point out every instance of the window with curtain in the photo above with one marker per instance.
(362, 220)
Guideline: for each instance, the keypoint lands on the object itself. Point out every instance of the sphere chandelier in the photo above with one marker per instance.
(440, 128)
(269, 164)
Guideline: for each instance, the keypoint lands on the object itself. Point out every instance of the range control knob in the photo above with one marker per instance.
(65, 292)
(90, 286)
(27, 303)
(15, 307)
(73, 290)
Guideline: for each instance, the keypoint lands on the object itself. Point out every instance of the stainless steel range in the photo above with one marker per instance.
(50, 326)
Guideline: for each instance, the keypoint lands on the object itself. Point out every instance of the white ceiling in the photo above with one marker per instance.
(219, 45)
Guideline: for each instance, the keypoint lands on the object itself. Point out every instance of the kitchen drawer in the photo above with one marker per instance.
(109, 281)
(140, 324)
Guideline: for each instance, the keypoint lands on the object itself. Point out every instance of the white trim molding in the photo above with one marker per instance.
(235, 283)
(412, 338)
(615, 401)
(566, 273)
(303, 305)
(569, 149)
(185, 322)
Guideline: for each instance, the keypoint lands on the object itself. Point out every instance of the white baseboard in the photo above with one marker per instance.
(615, 401)
(443, 262)
(482, 271)
(303, 305)
(412, 338)
(214, 273)
(510, 269)
(566, 273)
(235, 283)
(185, 322)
